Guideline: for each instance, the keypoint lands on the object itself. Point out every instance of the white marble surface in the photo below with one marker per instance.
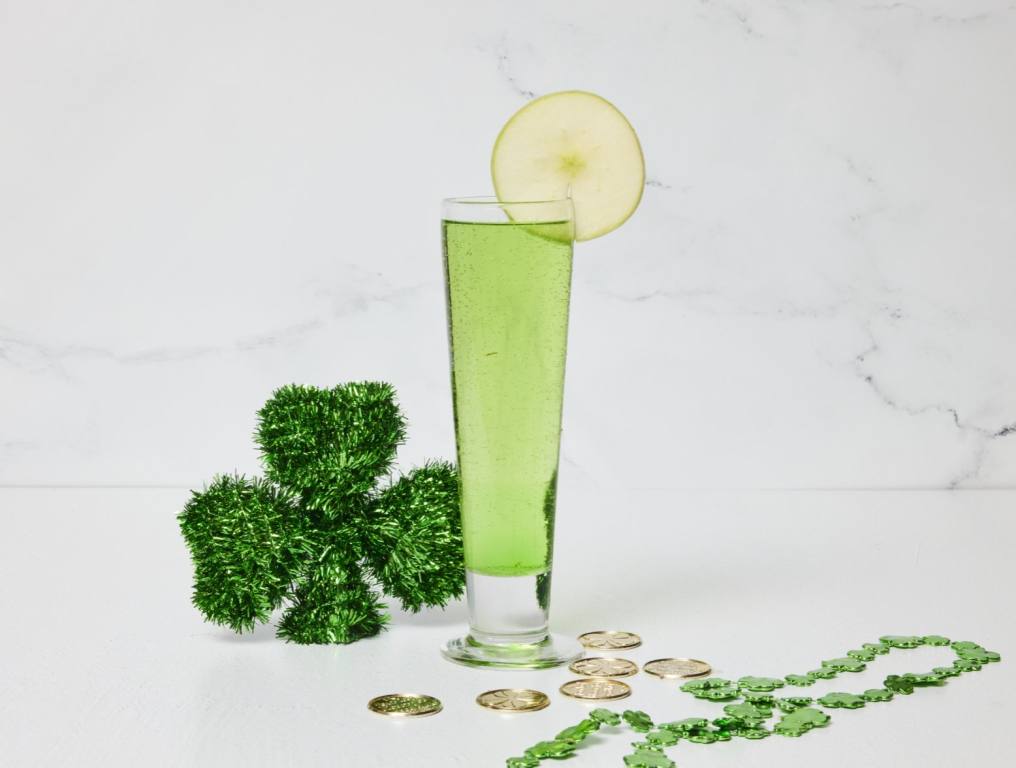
(104, 662)
(201, 201)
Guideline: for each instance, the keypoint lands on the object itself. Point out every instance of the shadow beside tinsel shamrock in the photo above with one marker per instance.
(317, 534)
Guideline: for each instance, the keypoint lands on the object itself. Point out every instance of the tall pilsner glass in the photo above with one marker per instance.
(508, 276)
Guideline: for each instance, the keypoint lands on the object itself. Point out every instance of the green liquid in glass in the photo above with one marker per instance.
(508, 292)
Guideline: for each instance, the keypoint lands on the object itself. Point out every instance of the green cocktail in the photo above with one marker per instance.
(508, 271)
(508, 275)
(508, 291)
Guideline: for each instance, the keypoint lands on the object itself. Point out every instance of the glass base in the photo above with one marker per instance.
(554, 651)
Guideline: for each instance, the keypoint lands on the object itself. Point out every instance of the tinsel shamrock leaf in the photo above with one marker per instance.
(412, 538)
(330, 445)
(317, 534)
(332, 603)
(247, 540)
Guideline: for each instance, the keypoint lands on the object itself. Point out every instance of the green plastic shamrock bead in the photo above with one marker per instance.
(722, 735)
(877, 694)
(862, 654)
(967, 665)
(897, 684)
(638, 721)
(605, 716)
(800, 722)
(663, 738)
(522, 762)
(750, 683)
(685, 727)
(728, 723)
(577, 733)
(551, 749)
(791, 703)
(717, 694)
(749, 713)
(902, 641)
(946, 671)
(801, 681)
(846, 664)
(751, 733)
(823, 673)
(645, 746)
(923, 680)
(703, 685)
(760, 699)
(841, 701)
(879, 648)
(704, 737)
(935, 640)
(648, 760)
(965, 645)
(974, 652)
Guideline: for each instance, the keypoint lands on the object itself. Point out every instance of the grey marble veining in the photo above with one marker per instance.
(815, 292)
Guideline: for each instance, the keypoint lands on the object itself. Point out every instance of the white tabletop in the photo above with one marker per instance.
(103, 661)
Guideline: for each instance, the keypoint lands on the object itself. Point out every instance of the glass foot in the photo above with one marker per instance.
(554, 651)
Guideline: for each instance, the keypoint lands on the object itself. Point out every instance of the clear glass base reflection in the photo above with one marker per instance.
(553, 651)
(508, 625)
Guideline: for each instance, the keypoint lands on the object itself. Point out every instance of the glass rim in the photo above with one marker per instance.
(494, 200)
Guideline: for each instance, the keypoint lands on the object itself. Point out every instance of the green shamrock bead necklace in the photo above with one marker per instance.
(751, 701)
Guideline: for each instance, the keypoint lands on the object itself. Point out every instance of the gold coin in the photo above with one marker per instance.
(676, 668)
(404, 705)
(513, 700)
(610, 640)
(602, 667)
(596, 689)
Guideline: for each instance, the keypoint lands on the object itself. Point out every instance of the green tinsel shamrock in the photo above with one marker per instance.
(318, 535)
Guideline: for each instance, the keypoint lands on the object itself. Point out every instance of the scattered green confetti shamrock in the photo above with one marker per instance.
(318, 533)
(946, 671)
(846, 664)
(800, 722)
(638, 721)
(967, 665)
(879, 648)
(877, 694)
(752, 733)
(552, 749)
(761, 699)
(605, 716)
(841, 700)
(750, 683)
(901, 641)
(935, 640)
